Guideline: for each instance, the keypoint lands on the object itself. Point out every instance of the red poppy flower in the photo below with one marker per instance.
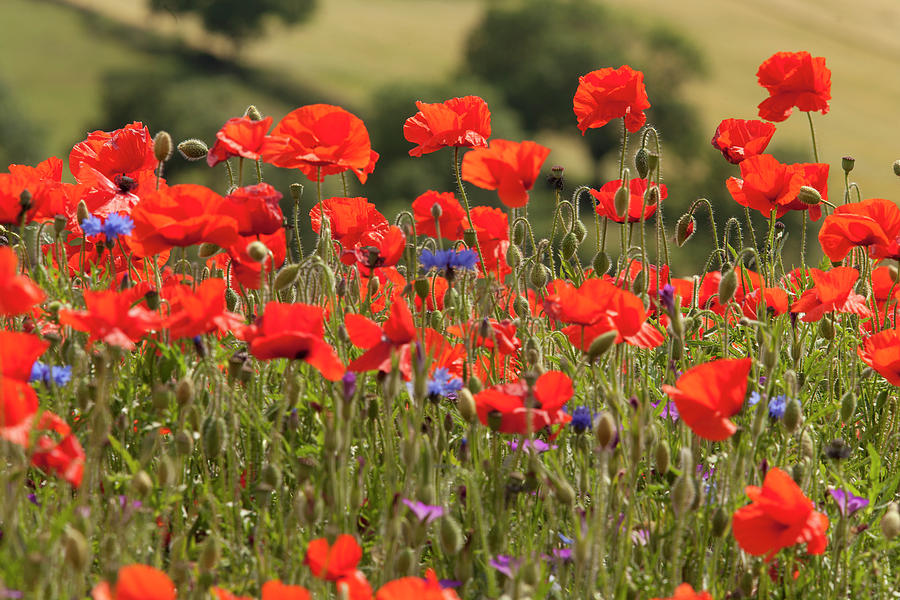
(43, 183)
(775, 301)
(321, 140)
(779, 516)
(386, 289)
(874, 223)
(18, 351)
(332, 562)
(18, 409)
(608, 94)
(793, 79)
(500, 335)
(514, 408)
(767, 185)
(832, 292)
(884, 288)
(199, 311)
(882, 352)
(182, 215)
(275, 590)
(18, 294)
(453, 216)
(111, 318)
(380, 342)
(510, 168)
(461, 122)
(247, 271)
(348, 218)
(814, 175)
(222, 594)
(416, 588)
(606, 204)
(709, 394)
(294, 331)
(137, 582)
(256, 209)
(686, 592)
(492, 230)
(57, 450)
(241, 136)
(376, 248)
(115, 154)
(738, 139)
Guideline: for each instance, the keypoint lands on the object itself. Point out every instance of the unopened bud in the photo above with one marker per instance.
(270, 478)
(213, 437)
(683, 493)
(465, 402)
(727, 286)
(209, 556)
(539, 276)
(720, 522)
(890, 522)
(184, 443)
(606, 430)
(826, 328)
(451, 535)
(601, 344)
(257, 251)
(809, 195)
(82, 212)
(513, 256)
(620, 201)
(662, 457)
(207, 250)
(253, 113)
(193, 149)
(848, 407)
(793, 415)
(436, 211)
(184, 391)
(563, 490)
(569, 245)
(896, 167)
(600, 263)
(162, 146)
(287, 276)
(521, 307)
(141, 484)
(652, 195)
(639, 284)
(642, 162)
(232, 299)
(77, 550)
(684, 229)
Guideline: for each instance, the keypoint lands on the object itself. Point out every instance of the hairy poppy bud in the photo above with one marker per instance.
(620, 200)
(287, 276)
(606, 430)
(474, 384)
(82, 212)
(662, 456)
(896, 167)
(684, 229)
(470, 238)
(809, 195)
(513, 256)
(847, 163)
(793, 415)
(193, 149)
(652, 195)
(580, 231)
(213, 437)
(563, 490)
(257, 250)
(642, 162)
(826, 328)
(465, 402)
(539, 275)
(600, 263)
(253, 113)
(270, 478)
(162, 146)
(77, 550)
(232, 299)
(720, 522)
(683, 493)
(184, 443)
(807, 448)
(207, 250)
(727, 286)
(601, 344)
(141, 484)
(848, 406)
(639, 284)
(890, 522)
(521, 307)
(209, 556)
(436, 210)
(451, 535)
(569, 245)
(165, 472)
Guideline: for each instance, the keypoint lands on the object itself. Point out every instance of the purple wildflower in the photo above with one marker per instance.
(847, 502)
(426, 513)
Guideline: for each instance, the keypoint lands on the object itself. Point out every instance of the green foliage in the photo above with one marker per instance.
(238, 20)
(20, 139)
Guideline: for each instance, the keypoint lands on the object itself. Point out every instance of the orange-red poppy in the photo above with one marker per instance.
(137, 582)
(708, 395)
(348, 218)
(492, 230)
(607, 94)
(256, 209)
(275, 590)
(779, 516)
(398, 331)
(739, 139)
(832, 291)
(511, 168)
(111, 318)
(882, 352)
(686, 592)
(200, 310)
(294, 331)
(320, 140)
(18, 293)
(416, 588)
(775, 301)
(241, 136)
(517, 408)
(793, 79)
(873, 223)
(606, 205)
(333, 561)
(460, 122)
(766, 185)
(452, 220)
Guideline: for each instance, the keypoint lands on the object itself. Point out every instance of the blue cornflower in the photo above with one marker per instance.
(92, 226)
(442, 383)
(581, 419)
(777, 406)
(117, 225)
(754, 398)
(58, 376)
(448, 260)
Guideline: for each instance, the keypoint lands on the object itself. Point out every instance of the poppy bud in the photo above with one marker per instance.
(620, 200)
(522, 307)
(253, 113)
(720, 522)
(848, 407)
(213, 437)
(662, 455)
(652, 195)
(77, 551)
(639, 284)
(564, 492)
(209, 556)
(569, 245)
(513, 256)
(531, 573)
(601, 344)
(847, 163)
(82, 212)
(165, 472)
(683, 493)
(232, 299)
(465, 403)
(809, 195)
(162, 146)
(270, 478)
(539, 275)
(287, 276)
(141, 484)
(826, 328)
(475, 384)
(600, 263)
(470, 238)
(207, 250)
(890, 522)
(184, 443)
(451, 535)
(606, 430)
(184, 391)
(793, 415)
(193, 149)
(807, 448)
(896, 167)
(727, 286)
(642, 162)
(684, 229)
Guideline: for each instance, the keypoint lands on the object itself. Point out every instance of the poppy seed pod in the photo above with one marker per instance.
(470, 238)
(162, 146)
(896, 167)
(727, 286)
(193, 149)
(890, 522)
(684, 229)
(847, 163)
(809, 195)
(257, 250)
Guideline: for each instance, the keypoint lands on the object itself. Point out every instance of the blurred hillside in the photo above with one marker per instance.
(70, 66)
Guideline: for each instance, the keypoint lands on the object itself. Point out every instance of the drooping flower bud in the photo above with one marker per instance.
(287, 276)
(601, 344)
(684, 229)
(465, 402)
(809, 195)
(257, 250)
(793, 415)
(569, 245)
(848, 406)
(606, 430)
(683, 493)
(193, 149)
(600, 263)
(727, 286)
(642, 162)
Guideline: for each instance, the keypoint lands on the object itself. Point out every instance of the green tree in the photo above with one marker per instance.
(238, 19)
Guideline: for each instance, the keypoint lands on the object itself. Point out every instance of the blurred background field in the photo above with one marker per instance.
(71, 66)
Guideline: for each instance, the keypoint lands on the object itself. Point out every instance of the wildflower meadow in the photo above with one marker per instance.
(201, 401)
